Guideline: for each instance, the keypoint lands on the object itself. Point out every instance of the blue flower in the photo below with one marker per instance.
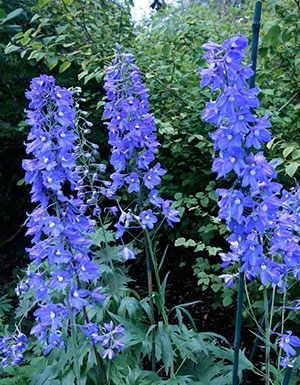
(148, 219)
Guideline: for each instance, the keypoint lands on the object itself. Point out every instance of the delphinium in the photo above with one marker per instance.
(133, 146)
(63, 276)
(262, 217)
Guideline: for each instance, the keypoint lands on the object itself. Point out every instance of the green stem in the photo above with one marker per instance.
(267, 338)
(156, 272)
(282, 319)
(150, 291)
(237, 336)
(261, 327)
(159, 289)
(73, 337)
(106, 243)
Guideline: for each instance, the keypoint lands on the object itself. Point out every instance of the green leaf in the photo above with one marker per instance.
(200, 247)
(11, 48)
(204, 201)
(52, 61)
(36, 46)
(82, 74)
(180, 242)
(68, 379)
(166, 49)
(2, 13)
(227, 300)
(89, 77)
(292, 168)
(295, 154)
(64, 66)
(286, 152)
(17, 12)
(42, 3)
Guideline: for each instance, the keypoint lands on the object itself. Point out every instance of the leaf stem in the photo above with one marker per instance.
(237, 336)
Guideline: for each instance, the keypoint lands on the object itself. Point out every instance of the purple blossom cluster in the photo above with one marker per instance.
(131, 135)
(287, 343)
(63, 275)
(11, 348)
(262, 217)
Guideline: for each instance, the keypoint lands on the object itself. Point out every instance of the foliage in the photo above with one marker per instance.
(73, 40)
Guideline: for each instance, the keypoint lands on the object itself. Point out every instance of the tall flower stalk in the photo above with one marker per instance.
(134, 144)
(63, 275)
(258, 212)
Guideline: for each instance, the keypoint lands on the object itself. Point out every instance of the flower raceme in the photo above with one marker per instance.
(255, 208)
(262, 216)
(134, 144)
(62, 263)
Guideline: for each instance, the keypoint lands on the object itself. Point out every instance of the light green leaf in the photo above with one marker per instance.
(42, 3)
(64, 66)
(292, 168)
(227, 301)
(286, 152)
(180, 242)
(17, 12)
(82, 74)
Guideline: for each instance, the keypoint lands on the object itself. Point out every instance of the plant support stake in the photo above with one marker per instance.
(254, 46)
(287, 374)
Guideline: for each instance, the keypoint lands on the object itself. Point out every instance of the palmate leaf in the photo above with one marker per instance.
(205, 371)
(46, 377)
(178, 380)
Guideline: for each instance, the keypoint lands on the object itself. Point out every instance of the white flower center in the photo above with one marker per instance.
(229, 137)
(263, 266)
(232, 159)
(75, 294)
(241, 117)
(62, 135)
(252, 172)
(265, 207)
(58, 95)
(256, 132)
(60, 278)
(287, 340)
(52, 314)
(237, 201)
(228, 60)
(51, 225)
(43, 139)
(252, 248)
(60, 113)
(231, 98)
(50, 180)
(147, 217)
(58, 253)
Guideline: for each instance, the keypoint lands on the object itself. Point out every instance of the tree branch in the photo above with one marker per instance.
(289, 101)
